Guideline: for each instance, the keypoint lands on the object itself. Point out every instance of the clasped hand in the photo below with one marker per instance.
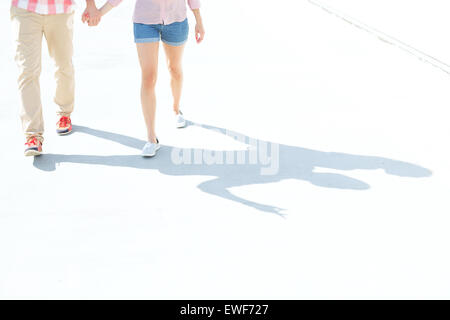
(91, 15)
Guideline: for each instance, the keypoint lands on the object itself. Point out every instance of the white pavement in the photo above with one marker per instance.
(358, 209)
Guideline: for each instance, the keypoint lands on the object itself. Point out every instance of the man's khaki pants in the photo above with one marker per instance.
(29, 27)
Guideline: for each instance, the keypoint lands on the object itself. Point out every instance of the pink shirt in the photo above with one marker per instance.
(45, 6)
(160, 11)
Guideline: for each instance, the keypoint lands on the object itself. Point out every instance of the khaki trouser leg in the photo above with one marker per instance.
(28, 28)
(58, 31)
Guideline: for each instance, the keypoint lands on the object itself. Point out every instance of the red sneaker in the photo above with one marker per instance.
(33, 147)
(64, 126)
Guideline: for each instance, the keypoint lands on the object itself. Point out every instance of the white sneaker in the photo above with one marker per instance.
(180, 122)
(150, 149)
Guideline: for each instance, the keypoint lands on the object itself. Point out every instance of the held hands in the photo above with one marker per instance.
(91, 15)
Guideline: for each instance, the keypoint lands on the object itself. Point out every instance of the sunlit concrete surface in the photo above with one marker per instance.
(350, 199)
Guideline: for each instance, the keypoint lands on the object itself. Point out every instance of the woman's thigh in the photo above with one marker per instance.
(148, 57)
(174, 56)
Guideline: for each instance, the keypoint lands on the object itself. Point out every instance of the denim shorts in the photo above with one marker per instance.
(174, 34)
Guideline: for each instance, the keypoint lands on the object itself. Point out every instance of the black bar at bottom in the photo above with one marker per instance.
(223, 309)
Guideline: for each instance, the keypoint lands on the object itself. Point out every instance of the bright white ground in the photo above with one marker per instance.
(364, 163)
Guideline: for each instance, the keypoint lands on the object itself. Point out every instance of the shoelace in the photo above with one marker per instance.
(64, 122)
(32, 141)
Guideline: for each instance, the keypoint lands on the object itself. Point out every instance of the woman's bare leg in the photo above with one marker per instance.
(174, 56)
(148, 58)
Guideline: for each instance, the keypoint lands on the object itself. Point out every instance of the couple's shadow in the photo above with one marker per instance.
(292, 163)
